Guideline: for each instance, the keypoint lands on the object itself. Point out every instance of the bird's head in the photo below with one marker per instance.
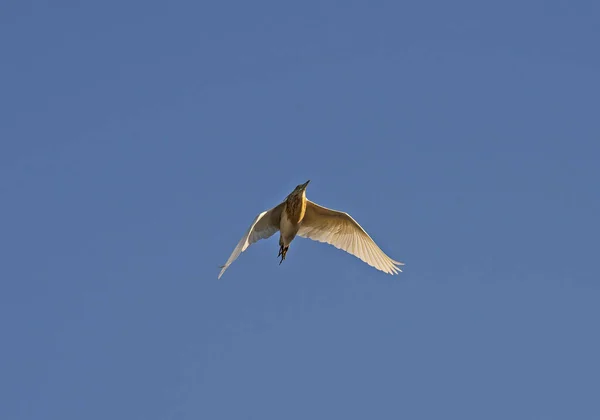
(302, 187)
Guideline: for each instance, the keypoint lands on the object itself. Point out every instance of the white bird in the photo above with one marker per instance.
(297, 215)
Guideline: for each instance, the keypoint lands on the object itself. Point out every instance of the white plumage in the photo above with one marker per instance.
(343, 232)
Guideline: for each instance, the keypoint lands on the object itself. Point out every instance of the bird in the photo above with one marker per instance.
(298, 216)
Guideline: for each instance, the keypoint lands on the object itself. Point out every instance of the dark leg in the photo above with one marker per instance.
(282, 251)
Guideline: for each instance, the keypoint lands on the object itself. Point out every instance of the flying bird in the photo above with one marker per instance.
(298, 216)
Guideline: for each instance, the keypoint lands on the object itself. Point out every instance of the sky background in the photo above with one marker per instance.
(139, 139)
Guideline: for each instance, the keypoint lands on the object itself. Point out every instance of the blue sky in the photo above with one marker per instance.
(138, 140)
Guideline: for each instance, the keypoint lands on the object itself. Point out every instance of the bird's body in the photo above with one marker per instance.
(294, 209)
(298, 216)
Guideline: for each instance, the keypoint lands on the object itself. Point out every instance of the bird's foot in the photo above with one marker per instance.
(282, 251)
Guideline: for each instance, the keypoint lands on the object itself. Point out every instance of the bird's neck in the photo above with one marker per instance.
(296, 207)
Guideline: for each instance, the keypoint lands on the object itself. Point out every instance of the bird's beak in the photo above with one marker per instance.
(305, 184)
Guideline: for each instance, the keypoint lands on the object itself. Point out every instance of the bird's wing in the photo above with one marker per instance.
(342, 231)
(263, 226)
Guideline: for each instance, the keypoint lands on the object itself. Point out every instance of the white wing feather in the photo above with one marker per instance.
(343, 232)
(263, 226)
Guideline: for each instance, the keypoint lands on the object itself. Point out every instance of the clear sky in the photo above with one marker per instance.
(139, 139)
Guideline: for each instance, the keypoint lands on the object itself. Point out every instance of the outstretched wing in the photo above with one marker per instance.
(264, 226)
(342, 231)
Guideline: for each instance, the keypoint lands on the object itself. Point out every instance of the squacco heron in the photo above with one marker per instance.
(298, 216)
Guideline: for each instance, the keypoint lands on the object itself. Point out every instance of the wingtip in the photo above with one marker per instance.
(222, 267)
(396, 270)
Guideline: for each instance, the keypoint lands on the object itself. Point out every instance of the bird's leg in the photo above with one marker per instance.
(282, 251)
